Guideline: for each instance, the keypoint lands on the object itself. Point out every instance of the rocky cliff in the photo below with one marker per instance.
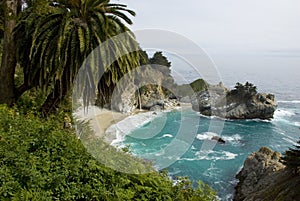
(148, 91)
(243, 102)
(264, 178)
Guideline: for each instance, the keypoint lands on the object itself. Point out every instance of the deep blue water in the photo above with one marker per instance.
(183, 145)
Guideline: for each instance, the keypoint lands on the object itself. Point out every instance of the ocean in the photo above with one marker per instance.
(178, 140)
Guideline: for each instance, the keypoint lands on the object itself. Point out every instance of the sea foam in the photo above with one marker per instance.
(283, 113)
(215, 155)
(293, 101)
(129, 124)
(234, 139)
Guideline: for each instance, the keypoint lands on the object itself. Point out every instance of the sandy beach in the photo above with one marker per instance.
(112, 126)
(100, 119)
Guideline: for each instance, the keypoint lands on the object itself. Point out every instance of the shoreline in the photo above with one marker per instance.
(113, 126)
(116, 132)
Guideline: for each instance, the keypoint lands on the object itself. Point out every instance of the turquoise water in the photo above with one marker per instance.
(182, 143)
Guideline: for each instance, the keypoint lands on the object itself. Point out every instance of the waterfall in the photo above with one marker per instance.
(140, 100)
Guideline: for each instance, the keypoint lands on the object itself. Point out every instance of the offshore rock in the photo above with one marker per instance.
(240, 103)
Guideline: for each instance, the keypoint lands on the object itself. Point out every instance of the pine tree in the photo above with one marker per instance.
(291, 158)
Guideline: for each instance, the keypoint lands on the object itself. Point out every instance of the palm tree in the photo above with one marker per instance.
(62, 38)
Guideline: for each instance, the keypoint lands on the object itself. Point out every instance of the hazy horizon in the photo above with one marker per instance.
(246, 39)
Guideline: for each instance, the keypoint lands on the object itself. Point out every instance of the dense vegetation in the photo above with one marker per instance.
(291, 158)
(41, 160)
(247, 90)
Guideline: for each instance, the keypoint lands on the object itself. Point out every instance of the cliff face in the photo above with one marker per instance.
(145, 91)
(235, 104)
(264, 177)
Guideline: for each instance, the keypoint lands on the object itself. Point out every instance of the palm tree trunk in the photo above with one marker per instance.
(54, 99)
(8, 63)
(60, 93)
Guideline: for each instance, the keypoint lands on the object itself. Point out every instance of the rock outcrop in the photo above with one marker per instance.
(243, 102)
(145, 92)
(264, 177)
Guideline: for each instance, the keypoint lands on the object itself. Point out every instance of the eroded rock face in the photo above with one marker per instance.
(219, 101)
(260, 172)
(126, 100)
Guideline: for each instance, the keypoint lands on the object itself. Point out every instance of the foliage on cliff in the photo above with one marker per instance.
(41, 160)
(194, 87)
(247, 90)
(291, 158)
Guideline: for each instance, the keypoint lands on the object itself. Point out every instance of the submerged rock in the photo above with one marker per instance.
(218, 139)
(240, 103)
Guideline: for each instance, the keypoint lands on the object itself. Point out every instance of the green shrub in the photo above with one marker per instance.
(291, 158)
(40, 160)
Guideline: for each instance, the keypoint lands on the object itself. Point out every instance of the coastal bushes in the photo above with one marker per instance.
(291, 158)
(42, 160)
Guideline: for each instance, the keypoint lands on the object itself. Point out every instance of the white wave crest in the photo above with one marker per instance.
(206, 136)
(297, 123)
(234, 139)
(283, 113)
(167, 135)
(293, 101)
(215, 155)
(129, 124)
(119, 138)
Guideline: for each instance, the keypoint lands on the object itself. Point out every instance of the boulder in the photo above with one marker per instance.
(218, 139)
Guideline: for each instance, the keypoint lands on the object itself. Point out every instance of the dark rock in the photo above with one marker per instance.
(218, 139)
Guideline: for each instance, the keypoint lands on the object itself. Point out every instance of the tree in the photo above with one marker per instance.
(1, 20)
(54, 39)
(291, 158)
(246, 90)
(10, 9)
(161, 63)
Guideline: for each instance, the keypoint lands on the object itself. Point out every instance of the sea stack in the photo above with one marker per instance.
(243, 102)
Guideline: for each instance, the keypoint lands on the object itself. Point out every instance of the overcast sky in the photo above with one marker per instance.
(253, 40)
(266, 25)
